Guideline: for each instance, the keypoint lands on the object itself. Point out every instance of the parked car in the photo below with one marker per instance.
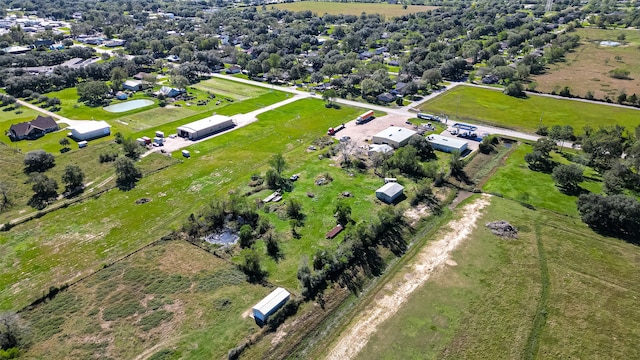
(294, 177)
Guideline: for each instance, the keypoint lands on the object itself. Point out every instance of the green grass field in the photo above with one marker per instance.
(232, 89)
(169, 298)
(516, 181)
(582, 285)
(82, 237)
(333, 8)
(495, 108)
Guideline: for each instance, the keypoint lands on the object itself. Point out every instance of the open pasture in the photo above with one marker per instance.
(82, 237)
(587, 67)
(495, 108)
(352, 8)
(170, 298)
(527, 298)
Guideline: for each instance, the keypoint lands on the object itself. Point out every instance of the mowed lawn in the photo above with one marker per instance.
(587, 67)
(171, 298)
(516, 181)
(486, 305)
(69, 243)
(352, 8)
(495, 108)
(232, 89)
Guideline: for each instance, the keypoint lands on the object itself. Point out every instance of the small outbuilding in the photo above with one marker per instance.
(86, 130)
(270, 304)
(205, 127)
(390, 192)
(334, 232)
(447, 144)
(383, 149)
(396, 137)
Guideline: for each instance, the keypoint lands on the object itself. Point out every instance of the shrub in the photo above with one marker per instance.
(154, 319)
(122, 310)
(619, 74)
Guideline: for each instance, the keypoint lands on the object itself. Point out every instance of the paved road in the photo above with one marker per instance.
(49, 113)
(404, 111)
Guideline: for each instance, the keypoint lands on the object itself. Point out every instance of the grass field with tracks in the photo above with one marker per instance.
(495, 108)
(558, 291)
(352, 8)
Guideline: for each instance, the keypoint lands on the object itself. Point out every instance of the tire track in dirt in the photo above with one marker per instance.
(433, 256)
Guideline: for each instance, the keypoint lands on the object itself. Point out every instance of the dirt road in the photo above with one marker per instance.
(428, 260)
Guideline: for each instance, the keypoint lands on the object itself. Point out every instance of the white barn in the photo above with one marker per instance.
(394, 136)
(390, 192)
(270, 304)
(447, 144)
(90, 129)
(205, 127)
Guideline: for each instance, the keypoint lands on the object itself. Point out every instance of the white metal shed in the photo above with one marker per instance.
(270, 304)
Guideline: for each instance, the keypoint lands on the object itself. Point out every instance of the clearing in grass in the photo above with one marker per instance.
(587, 67)
(466, 103)
(232, 89)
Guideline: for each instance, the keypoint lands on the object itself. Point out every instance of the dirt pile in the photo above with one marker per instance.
(503, 229)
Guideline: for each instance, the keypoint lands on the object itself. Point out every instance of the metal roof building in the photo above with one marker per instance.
(394, 136)
(205, 127)
(86, 130)
(447, 144)
(270, 304)
(390, 192)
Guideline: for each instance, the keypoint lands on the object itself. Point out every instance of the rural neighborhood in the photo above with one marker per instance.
(319, 179)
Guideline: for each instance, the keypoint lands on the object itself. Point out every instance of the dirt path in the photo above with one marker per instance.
(435, 255)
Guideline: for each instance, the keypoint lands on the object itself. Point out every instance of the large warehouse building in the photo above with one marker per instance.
(90, 129)
(270, 305)
(447, 144)
(205, 127)
(396, 137)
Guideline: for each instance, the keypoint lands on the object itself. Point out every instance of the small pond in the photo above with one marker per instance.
(609, 43)
(128, 105)
(226, 237)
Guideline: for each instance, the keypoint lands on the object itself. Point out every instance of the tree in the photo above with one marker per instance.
(72, 177)
(328, 96)
(294, 209)
(246, 238)
(273, 246)
(612, 184)
(12, 332)
(5, 196)
(179, 81)
(126, 173)
(432, 77)
(38, 161)
(64, 142)
(371, 87)
(251, 266)
(343, 213)
(423, 148)
(515, 89)
(278, 163)
(544, 145)
(568, 177)
(456, 164)
(118, 76)
(131, 148)
(614, 214)
(44, 190)
(92, 92)
(536, 160)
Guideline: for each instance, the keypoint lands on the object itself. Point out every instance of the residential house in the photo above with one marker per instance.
(386, 97)
(235, 69)
(33, 129)
(170, 92)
